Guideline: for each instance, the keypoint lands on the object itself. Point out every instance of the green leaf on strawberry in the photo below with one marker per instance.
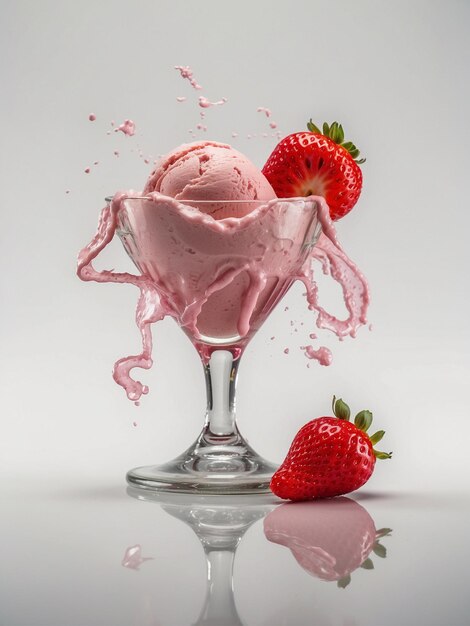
(363, 420)
(341, 409)
(344, 582)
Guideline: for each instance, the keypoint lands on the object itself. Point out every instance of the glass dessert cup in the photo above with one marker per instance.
(219, 279)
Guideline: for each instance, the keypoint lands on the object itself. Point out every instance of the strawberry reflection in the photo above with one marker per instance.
(328, 538)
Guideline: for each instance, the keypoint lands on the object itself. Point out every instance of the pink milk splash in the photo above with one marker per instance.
(220, 279)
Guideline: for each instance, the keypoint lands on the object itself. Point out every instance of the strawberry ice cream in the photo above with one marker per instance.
(216, 250)
(210, 171)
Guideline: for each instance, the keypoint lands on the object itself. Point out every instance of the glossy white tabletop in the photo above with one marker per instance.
(97, 555)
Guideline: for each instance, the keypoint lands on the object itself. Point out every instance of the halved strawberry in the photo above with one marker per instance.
(317, 163)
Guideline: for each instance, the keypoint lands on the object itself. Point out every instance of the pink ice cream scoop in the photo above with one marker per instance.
(209, 171)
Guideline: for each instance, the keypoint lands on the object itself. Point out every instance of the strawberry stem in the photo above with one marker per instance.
(335, 132)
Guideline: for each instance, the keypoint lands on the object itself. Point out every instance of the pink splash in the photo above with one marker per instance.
(206, 104)
(213, 273)
(127, 127)
(187, 73)
(286, 350)
(149, 309)
(92, 117)
(87, 170)
(268, 114)
(322, 355)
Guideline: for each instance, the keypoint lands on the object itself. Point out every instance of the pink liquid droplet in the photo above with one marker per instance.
(92, 117)
(127, 127)
(322, 355)
(206, 104)
(187, 73)
(264, 110)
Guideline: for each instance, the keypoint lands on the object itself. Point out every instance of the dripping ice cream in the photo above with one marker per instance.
(209, 171)
(216, 250)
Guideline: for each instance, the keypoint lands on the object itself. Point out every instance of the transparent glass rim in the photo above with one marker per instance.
(217, 201)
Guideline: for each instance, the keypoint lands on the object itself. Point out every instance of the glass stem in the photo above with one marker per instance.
(221, 380)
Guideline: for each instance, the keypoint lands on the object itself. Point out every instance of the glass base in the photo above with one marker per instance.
(213, 465)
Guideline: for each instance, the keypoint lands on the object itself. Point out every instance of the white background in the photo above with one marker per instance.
(396, 76)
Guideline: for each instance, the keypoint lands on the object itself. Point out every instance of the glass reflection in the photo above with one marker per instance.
(328, 538)
(219, 523)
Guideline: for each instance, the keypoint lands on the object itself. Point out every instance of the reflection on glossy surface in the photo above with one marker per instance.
(220, 523)
(328, 538)
(133, 558)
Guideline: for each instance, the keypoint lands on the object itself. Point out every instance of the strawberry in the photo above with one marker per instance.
(328, 538)
(317, 163)
(329, 456)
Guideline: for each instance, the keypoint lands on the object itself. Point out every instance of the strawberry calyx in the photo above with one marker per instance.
(378, 549)
(335, 132)
(362, 421)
